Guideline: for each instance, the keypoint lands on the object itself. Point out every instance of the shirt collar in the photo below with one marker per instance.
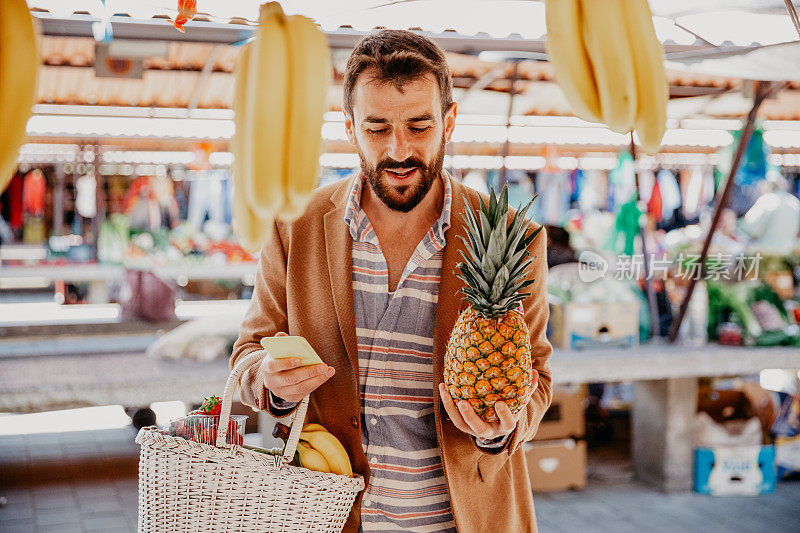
(356, 219)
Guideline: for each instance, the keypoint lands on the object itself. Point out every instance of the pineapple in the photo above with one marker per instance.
(488, 355)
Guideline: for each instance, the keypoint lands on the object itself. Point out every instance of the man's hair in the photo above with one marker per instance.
(397, 57)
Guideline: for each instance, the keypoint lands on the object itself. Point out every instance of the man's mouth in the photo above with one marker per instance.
(400, 173)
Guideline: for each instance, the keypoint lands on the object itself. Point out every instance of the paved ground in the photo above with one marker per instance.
(631, 507)
(64, 500)
(110, 505)
(66, 507)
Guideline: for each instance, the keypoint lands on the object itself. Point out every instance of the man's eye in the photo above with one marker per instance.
(377, 132)
(420, 130)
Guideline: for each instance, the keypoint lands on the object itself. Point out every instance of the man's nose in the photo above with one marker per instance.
(399, 146)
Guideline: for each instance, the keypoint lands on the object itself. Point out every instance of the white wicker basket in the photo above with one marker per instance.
(188, 486)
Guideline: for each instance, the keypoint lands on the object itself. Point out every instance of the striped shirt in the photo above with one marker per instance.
(407, 490)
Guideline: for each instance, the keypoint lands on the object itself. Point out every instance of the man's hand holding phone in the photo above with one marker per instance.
(292, 376)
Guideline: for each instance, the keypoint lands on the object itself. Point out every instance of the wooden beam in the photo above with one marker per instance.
(648, 283)
(507, 143)
(762, 90)
(208, 68)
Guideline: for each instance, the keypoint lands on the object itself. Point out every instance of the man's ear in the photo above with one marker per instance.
(349, 128)
(450, 121)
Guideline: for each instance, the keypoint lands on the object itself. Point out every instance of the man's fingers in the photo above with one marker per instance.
(507, 420)
(273, 366)
(452, 410)
(297, 391)
(297, 375)
(477, 425)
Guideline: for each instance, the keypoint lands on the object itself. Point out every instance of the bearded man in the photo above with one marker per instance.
(366, 275)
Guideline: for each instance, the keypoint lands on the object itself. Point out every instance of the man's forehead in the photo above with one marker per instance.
(373, 97)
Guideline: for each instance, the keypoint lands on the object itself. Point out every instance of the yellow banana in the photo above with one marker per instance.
(311, 458)
(652, 90)
(280, 100)
(267, 101)
(567, 53)
(333, 451)
(609, 51)
(313, 427)
(310, 75)
(19, 68)
(251, 230)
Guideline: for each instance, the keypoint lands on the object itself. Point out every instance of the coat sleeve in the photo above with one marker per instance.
(265, 317)
(537, 313)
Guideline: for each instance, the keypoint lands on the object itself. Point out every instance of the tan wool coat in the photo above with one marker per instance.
(304, 287)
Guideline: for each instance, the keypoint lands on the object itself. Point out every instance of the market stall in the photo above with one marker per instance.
(697, 245)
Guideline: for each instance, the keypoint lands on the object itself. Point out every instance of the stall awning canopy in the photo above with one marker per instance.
(777, 62)
(711, 46)
(676, 21)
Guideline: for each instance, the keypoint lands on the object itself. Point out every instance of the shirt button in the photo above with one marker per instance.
(374, 421)
(374, 460)
(354, 421)
(367, 503)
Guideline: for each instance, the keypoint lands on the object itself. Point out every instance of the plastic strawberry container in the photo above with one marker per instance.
(203, 428)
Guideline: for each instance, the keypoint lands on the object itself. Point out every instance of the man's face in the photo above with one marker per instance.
(400, 137)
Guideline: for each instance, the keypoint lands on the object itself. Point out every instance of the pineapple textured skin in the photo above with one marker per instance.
(487, 360)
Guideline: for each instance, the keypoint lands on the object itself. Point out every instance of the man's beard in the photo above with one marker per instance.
(388, 193)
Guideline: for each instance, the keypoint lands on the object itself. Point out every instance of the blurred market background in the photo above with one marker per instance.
(122, 283)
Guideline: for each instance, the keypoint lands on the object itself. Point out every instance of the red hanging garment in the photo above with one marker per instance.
(33, 193)
(14, 195)
(656, 204)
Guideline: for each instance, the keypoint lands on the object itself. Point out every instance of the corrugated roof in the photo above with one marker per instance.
(157, 88)
(738, 21)
(80, 52)
(171, 80)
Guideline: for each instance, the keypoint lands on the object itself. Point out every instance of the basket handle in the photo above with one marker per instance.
(296, 420)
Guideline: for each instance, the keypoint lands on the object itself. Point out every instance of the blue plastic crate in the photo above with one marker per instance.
(734, 470)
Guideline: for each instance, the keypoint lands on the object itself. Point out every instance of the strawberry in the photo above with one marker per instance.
(208, 434)
(233, 433)
(205, 430)
(211, 406)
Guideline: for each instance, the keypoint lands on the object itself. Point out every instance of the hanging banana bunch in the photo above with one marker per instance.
(282, 80)
(610, 65)
(19, 68)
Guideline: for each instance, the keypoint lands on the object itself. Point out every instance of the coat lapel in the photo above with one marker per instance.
(450, 304)
(338, 248)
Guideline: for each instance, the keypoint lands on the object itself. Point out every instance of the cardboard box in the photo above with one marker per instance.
(565, 417)
(556, 465)
(727, 405)
(734, 470)
(724, 405)
(594, 325)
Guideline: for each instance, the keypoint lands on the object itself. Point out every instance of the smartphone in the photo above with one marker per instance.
(291, 346)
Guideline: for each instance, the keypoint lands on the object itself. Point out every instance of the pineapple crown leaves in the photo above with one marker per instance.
(496, 259)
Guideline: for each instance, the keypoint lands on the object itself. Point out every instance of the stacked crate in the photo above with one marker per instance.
(557, 455)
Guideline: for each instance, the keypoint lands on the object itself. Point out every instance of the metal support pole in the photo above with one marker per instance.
(482, 82)
(648, 283)
(506, 145)
(760, 93)
(202, 81)
(58, 200)
(100, 198)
